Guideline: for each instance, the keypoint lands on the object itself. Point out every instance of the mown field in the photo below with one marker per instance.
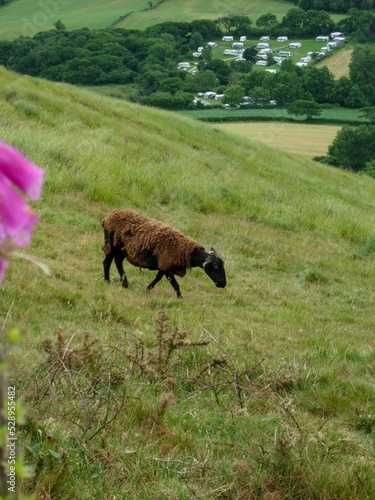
(338, 63)
(264, 389)
(307, 140)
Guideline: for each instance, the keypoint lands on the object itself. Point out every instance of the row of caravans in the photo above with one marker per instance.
(320, 38)
(336, 36)
(229, 38)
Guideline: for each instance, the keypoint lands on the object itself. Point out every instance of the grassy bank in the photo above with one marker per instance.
(264, 388)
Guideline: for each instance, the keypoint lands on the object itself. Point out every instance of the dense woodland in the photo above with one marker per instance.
(339, 6)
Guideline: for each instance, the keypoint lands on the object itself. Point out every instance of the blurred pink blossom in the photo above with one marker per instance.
(20, 171)
(17, 219)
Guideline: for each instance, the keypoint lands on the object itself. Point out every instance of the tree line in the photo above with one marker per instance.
(338, 6)
(301, 23)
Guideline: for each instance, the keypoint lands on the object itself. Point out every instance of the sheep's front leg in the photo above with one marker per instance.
(156, 280)
(172, 280)
(106, 265)
(119, 259)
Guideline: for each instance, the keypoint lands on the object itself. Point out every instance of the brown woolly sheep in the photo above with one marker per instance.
(149, 244)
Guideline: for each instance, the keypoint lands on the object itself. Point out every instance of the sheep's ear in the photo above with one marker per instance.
(213, 251)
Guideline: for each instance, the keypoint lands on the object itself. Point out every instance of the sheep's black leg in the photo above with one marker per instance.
(172, 280)
(106, 265)
(119, 259)
(156, 280)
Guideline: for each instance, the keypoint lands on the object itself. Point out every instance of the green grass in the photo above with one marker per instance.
(112, 90)
(279, 402)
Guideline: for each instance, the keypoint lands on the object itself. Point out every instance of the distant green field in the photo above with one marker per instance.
(27, 17)
(182, 10)
(338, 115)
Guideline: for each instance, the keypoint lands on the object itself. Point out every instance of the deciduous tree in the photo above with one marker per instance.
(369, 113)
(362, 71)
(302, 107)
(354, 147)
(234, 95)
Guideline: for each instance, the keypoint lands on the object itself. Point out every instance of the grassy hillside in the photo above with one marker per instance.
(278, 401)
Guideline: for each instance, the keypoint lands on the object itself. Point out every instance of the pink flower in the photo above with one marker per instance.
(17, 219)
(20, 171)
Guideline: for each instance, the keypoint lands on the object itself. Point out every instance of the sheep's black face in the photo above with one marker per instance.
(214, 268)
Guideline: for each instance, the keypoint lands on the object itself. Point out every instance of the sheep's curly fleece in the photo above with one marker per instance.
(139, 236)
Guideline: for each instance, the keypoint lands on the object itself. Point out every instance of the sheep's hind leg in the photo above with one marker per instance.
(156, 280)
